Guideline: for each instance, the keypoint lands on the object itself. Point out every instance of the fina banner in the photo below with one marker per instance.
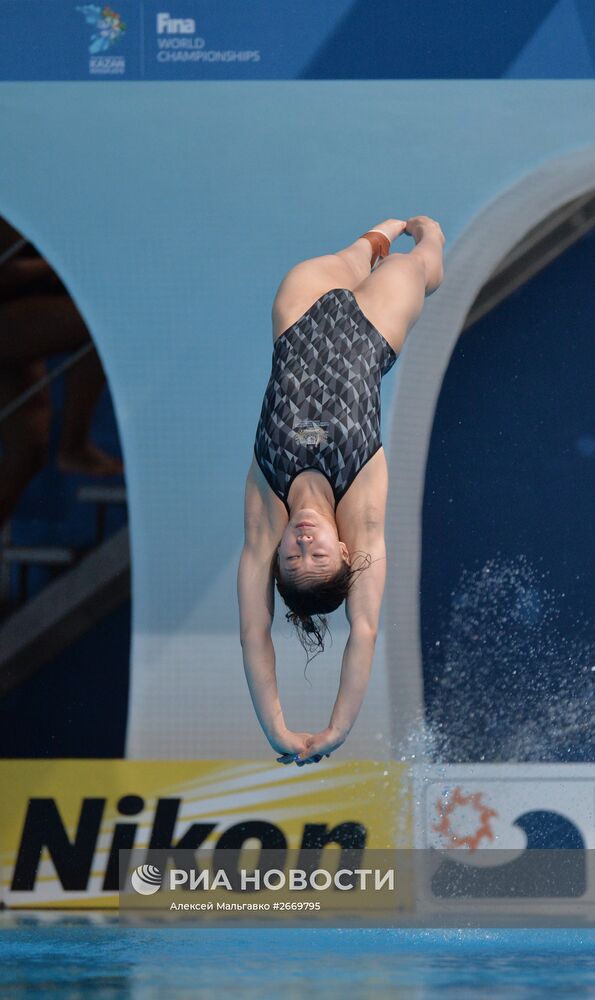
(65, 822)
(192, 39)
(508, 837)
(149, 40)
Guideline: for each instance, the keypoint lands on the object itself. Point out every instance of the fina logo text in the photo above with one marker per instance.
(178, 42)
(168, 25)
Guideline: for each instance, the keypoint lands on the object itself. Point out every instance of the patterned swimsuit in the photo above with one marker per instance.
(321, 407)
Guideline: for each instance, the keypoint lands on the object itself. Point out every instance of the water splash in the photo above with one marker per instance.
(507, 685)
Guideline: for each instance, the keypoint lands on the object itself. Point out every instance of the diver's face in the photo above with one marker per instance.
(310, 550)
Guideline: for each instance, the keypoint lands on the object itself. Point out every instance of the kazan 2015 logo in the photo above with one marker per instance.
(108, 28)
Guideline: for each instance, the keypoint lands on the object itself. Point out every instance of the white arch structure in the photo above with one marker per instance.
(490, 236)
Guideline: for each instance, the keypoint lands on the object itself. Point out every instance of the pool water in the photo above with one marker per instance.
(109, 962)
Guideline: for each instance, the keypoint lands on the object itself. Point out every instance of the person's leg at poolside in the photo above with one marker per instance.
(83, 386)
(24, 434)
(308, 280)
(44, 325)
(39, 327)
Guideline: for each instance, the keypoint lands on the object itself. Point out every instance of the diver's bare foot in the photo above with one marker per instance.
(90, 461)
(391, 228)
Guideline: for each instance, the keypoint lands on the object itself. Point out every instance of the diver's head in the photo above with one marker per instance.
(313, 571)
(310, 553)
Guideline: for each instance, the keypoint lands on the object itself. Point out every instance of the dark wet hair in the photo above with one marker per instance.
(317, 599)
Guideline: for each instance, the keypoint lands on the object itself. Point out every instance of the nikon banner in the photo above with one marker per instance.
(360, 843)
(66, 823)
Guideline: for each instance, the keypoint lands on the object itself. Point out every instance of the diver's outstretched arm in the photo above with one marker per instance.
(258, 654)
(355, 674)
(259, 666)
(256, 604)
(256, 594)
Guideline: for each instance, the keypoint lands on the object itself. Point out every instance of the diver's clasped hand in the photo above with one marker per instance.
(288, 744)
(313, 748)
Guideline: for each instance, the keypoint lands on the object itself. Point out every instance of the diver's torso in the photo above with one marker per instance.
(321, 407)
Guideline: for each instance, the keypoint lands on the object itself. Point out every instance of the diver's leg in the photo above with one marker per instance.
(392, 296)
(307, 281)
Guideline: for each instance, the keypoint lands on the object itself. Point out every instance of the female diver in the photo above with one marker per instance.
(316, 491)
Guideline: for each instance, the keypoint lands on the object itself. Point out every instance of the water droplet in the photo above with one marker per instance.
(502, 624)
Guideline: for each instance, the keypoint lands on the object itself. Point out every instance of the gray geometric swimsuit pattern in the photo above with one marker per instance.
(321, 407)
